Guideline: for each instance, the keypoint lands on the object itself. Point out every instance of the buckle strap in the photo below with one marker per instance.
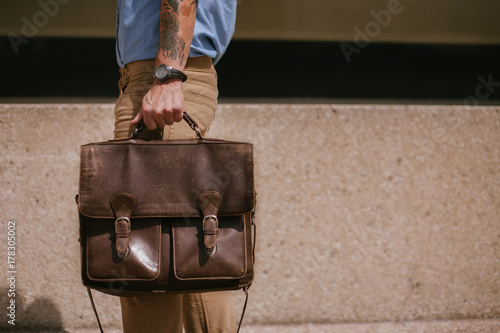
(122, 204)
(210, 202)
(210, 230)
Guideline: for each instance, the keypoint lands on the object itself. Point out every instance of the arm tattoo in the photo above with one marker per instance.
(172, 45)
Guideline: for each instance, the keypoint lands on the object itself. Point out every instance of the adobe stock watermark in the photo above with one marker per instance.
(483, 90)
(32, 25)
(11, 272)
(373, 28)
(426, 148)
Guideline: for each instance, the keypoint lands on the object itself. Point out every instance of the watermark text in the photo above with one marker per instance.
(11, 271)
(31, 26)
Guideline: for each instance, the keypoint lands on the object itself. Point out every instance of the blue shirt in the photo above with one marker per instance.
(137, 29)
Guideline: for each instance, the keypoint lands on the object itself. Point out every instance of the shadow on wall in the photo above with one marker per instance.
(41, 314)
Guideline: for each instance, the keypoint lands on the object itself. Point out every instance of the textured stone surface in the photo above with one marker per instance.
(365, 213)
(455, 326)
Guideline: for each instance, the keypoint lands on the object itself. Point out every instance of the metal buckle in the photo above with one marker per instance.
(211, 217)
(211, 251)
(124, 255)
(192, 124)
(124, 219)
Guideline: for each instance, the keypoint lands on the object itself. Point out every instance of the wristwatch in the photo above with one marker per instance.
(163, 72)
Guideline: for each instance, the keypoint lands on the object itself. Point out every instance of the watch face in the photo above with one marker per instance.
(161, 72)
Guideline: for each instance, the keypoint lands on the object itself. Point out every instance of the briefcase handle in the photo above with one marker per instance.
(191, 122)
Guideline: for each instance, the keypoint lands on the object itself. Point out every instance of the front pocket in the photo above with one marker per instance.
(190, 260)
(143, 260)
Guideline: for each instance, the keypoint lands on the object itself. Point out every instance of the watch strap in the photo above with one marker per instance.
(177, 74)
(170, 73)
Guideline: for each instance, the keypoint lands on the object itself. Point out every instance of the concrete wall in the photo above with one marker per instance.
(365, 213)
(428, 21)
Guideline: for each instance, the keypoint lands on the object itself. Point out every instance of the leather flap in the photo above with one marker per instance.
(166, 177)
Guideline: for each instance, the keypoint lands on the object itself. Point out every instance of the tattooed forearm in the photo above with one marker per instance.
(172, 44)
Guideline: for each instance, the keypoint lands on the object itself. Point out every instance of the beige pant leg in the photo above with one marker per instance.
(135, 80)
(151, 314)
(209, 312)
(201, 312)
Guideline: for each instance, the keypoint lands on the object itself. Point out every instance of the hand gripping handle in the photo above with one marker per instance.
(194, 126)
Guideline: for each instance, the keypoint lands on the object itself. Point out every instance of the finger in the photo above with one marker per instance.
(169, 118)
(178, 115)
(160, 121)
(156, 116)
(178, 110)
(149, 121)
(168, 115)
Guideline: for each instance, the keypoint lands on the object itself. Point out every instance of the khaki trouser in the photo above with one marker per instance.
(199, 312)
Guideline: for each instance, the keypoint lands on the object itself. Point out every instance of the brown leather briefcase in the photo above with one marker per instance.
(166, 216)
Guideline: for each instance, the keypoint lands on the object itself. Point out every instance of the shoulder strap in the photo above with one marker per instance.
(95, 310)
(245, 289)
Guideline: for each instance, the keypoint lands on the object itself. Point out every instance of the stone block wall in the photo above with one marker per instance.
(365, 212)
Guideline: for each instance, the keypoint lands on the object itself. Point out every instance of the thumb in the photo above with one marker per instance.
(137, 118)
